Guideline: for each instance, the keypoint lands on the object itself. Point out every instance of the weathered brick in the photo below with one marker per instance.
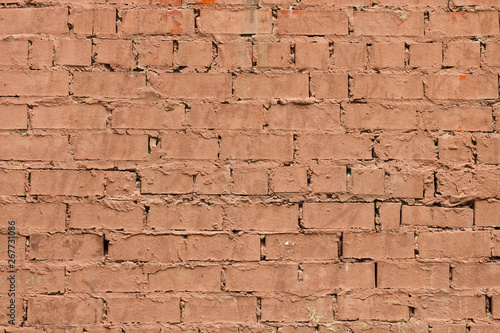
(115, 215)
(166, 181)
(326, 179)
(350, 55)
(196, 54)
(455, 149)
(51, 20)
(455, 244)
(413, 275)
(326, 85)
(41, 148)
(36, 217)
(366, 181)
(488, 150)
(67, 182)
(273, 55)
(64, 310)
(282, 86)
(95, 279)
(160, 248)
(376, 116)
(437, 216)
(462, 54)
(406, 147)
(389, 215)
(454, 24)
(262, 278)
(304, 117)
(66, 247)
(334, 146)
(475, 276)
(388, 55)
(14, 53)
(153, 309)
(302, 247)
(450, 306)
(486, 213)
(235, 116)
(467, 86)
(250, 181)
(192, 85)
(235, 55)
(388, 86)
(74, 52)
(155, 53)
(312, 55)
(458, 119)
(338, 215)
(12, 182)
(378, 307)
(388, 23)
(184, 146)
(181, 278)
(96, 84)
(223, 21)
(378, 246)
(311, 22)
(114, 52)
(71, 116)
(289, 309)
(185, 217)
(221, 308)
(110, 147)
(257, 147)
(262, 217)
(289, 179)
(325, 277)
(157, 21)
(223, 247)
(34, 83)
(42, 54)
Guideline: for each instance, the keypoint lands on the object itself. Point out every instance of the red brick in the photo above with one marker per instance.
(406, 147)
(92, 279)
(334, 146)
(14, 53)
(388, 55)
(192, 85)
(70, 116)
(197, 54)
(438, 216)
(486, 213)
(449, 328)
(304, 117)
(34, 83)
(426, 54)
(311, 22)
(350, 55)
(312, 55)
(447, 306)
(455, 149)
(458, 118)
(117, 52)
(213, 180)
(235, 55)
(376, 116)
(159, 248)
(115, 215)
(302, 247)
(185, 217)
(67, 182)
(323, 278)
(292, 308)
(413, 275)
(488, 150)
(389, 86)
(262, 278)
(327, 85)
(74, 52)
(180, 278)
(273, 55)
(235, 116)
(20, 255)
(378, 246)
(388, 23)
(42, 148)
(64, 310)
(481, 184)
(338, 215)
(184, 146)
(42, 54)
(12, 182)
(475, 276)
(462, 54)
(157, 22)
(389, 215)
(455, 244)
(250, 181)
(326, 179)
(496, 307)
(373, 307)
(96, 84)
(282, 86)
(36, 217)
(66, 247)
(470, 86)
(153, 309)
(464, 24)
(496, 243)
(224, 21)
(289, 179)
(492, 51)
(110, 146)
(220, 308)
(223, 247)
(262, 217)
(51, 20)
(155, 53)
(148, 117)
(257, 147)
(366, 181)
(34, 280)
(166, 181)
(478, 328)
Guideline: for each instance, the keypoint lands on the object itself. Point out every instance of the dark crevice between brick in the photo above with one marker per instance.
(340, 246)
(105, 245)
(300, 221)
(182, 307)
(262, 247)
(436, 192)
(451, 275)
(488, 306)
(376, 274)
(259, 309)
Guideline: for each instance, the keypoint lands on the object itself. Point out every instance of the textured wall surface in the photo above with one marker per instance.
(250, 166)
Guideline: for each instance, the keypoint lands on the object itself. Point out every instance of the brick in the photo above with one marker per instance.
(325, 277)
(157, 22)
(438, 216)
(250, 181)
(12, 182)
(223, 21)
(388, 55)
(42, 54)
(456, 24)
(388, 23)
(349, 55)
(292, 308)
(153, 309)
(34, 83)
(450, 306)
(327, 85)
(486, 213)
(235, 55)
(454, 86)
(64, 310)
(106, 278)
(148, 117)
(197, 54)
(481, 184)
(325, 179)
(36, 217)
(488, 150)
(413, 275)
(155, 53)
(338, 215)
(312, 55)
(496, 244)
(185, 217)
(70, 116)
(388, 86)
(289, 179)
(180, 278)
(478, 328)
(406, 147)
(378, 246)
(74, 52)
(220, 308)
(262, 278)
(117, 52)
(416, 3)
(158, 248)
(495, 307)
(67, 182)
(462, 54)
(96, 21)
(262, 217)
(273, 55)
(455, 149)
(376, 116)
(96, 84)
(118, 215)
(166, 181)
(257, 147)
(32, 280)
(13, 53)
(223, 247)
(475, 276)
(449, 328)
(458, 118)
(213, 180)
(311, 22)
(404, 185)
(282, 86)
(426, 54)
(51, 20)
(302, 247)
(120, 183)
(492, 58)
(66, 247)
(455, 244)
(192, 85)
(26, 148)
(373, 307)
(234, 116)
(334, 146)
(389, 215)
(366, 181)
(183, 146)
(110, 147)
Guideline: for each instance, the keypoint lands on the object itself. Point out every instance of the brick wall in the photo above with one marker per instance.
(251, 166)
